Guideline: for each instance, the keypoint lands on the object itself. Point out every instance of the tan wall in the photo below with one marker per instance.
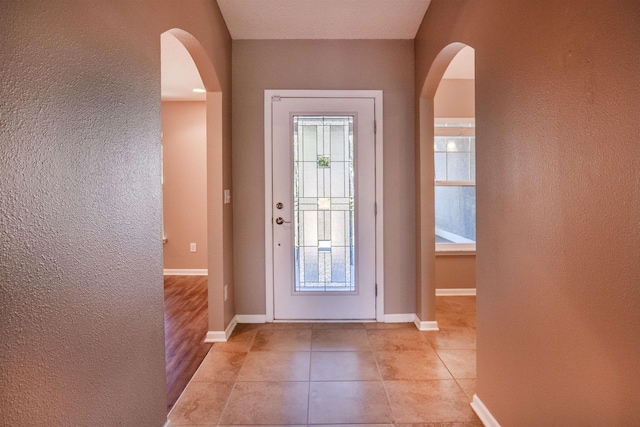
(455, 271)
(184, 192)
(455, 98)
(558, 197)
(382, 65)
(81, 305)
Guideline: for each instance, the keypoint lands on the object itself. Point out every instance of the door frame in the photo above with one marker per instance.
(376, 95)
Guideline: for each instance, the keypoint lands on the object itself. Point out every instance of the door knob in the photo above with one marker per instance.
(281, 221)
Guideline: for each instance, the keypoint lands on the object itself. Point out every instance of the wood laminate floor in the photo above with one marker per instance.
(185, 325)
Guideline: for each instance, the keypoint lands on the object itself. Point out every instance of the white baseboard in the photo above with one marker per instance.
(167, 424)
(230, 327)
(222, 336)
(409, 318)
(399, 318)
(430, 325)
(455, 292)
(186, 272)
(251, 318)
(483, 413)
(215, 336)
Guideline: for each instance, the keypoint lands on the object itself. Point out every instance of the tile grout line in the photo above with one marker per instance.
(309, 378)
(235, 382)
(374, 351)
(445, 364)
(384, 386)
(189, 383)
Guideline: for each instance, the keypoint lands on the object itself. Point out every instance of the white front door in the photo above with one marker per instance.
(323, 208)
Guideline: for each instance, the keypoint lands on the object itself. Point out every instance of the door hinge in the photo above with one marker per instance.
(375, 126)
(375, 208)
(376, 289)
(276, 98)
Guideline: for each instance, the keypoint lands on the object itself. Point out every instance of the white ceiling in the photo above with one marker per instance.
(323, 19)
(179, 75)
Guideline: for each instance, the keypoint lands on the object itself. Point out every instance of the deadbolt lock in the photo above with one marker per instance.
(279, 205)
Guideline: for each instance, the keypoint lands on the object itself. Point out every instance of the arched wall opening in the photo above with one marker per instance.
(200, 123)
(425, 197)
(184, 161)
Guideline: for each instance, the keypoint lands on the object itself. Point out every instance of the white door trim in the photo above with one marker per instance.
(376, 95)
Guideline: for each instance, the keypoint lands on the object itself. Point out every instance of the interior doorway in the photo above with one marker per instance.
(447, 215)
(192, 168)
(184, 161)
(454, 147)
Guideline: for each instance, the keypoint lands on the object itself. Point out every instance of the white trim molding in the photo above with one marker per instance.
(455, 249)
(222, 336)
(186, 272)
(167, 424)
(215, 336)
(428, 325)
(251, 318)
(399, 318)
(456, 292)
(230, 327)
(483, 413)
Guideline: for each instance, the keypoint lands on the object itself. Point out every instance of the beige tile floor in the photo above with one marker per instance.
(339, 374)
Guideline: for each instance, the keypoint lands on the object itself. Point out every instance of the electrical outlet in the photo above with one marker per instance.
(193, 247)
(226, 293)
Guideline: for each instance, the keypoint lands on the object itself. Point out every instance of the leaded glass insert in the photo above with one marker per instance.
(323, 201)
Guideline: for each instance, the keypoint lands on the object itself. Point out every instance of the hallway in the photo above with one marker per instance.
(337, 374)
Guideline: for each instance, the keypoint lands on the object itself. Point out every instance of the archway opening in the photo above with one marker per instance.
(447, 209)
(192, 205)
(454, 172)
(425, 188)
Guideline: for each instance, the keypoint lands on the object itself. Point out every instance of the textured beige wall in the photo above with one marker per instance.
(558, 201)
(184, 192)
(382, 65)
(81, 291)
(455, 271)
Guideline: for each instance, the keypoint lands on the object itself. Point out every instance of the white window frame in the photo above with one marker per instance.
(462, 248)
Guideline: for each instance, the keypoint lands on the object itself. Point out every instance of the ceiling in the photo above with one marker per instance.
(303, 19)
(323, 19)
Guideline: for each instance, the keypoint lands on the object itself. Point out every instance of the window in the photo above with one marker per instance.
(455, 185)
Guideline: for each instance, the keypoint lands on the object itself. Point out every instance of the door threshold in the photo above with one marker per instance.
(324, 321)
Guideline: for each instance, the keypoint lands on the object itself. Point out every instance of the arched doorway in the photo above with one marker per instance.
(455, 190)
(194, 203)
(446, 214)
(426, 239)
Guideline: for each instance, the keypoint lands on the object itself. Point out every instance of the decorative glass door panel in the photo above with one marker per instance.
(323, 203)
